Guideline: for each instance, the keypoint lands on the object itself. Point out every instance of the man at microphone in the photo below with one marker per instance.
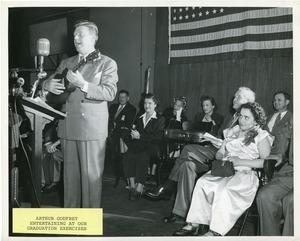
(84, 130)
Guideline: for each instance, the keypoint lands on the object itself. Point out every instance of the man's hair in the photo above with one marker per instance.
(124, 92)
(287, 96)
(248, 93)
(90, 25)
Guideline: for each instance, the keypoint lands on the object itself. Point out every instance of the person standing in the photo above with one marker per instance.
(121, 117)
(83, 132)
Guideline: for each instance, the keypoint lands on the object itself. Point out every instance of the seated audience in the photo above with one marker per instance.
(174, 115)
(121, 117)
(218, 202)
(277, 120)
(143, 143)
(208, 116)
(275, 199)
(191, 162)
(52, 158)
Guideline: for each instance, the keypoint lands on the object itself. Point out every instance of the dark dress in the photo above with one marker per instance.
(170, 119)
(136, 159)
(217, 118)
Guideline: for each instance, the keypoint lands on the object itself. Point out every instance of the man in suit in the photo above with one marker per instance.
(121, 117)
(191, 162)
(83, 132)
(275, 199)
(277, 120)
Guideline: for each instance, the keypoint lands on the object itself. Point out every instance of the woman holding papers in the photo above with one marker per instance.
(218, 202)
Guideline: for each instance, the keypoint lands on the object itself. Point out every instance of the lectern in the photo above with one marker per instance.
(39, 114)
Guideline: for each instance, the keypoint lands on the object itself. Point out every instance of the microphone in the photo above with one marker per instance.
(42, 50)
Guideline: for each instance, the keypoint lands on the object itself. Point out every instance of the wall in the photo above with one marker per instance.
(125, 34)
(128, 36)
(220, 79)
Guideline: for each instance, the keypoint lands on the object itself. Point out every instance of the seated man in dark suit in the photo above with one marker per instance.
(191, 162)
(121, 117)
(275, 199)
(277, 120)
(52, 159)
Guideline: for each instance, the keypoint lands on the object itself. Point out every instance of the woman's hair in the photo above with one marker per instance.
(181, 99)
(212, 100)
(257, 112)
(153, 97)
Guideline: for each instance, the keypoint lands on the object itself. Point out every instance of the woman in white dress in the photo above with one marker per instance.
(218, 202)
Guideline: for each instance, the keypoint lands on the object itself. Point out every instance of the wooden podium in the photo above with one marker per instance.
(39, 114)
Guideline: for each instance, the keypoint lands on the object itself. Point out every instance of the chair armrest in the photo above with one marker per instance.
(269, 168)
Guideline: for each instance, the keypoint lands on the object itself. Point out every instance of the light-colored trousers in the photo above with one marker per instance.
(83, 169)
(187, 166)
(220, 201)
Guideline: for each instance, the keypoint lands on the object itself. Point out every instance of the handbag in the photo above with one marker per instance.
(222, 168)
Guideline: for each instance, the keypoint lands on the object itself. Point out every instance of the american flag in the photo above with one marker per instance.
(198, 34)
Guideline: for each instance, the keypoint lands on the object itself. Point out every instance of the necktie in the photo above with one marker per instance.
(278, 118)
(119, 110)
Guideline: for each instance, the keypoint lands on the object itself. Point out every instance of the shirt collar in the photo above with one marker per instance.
(153, 116)
(84, 56)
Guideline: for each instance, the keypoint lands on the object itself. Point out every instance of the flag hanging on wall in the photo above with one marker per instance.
(198, 34)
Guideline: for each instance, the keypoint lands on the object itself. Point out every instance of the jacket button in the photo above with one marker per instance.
(82, 101)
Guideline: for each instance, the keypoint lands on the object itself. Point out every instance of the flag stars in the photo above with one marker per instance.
(186, 16)
(174, 18)
(180, 10)
(180, 17)
(193, 15)
(221, 10)
(207, 12)
(200, 14)
(186, 9)
(214, 11)
(174, 10)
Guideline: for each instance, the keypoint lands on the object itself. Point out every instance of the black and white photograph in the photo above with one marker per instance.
(149, 120)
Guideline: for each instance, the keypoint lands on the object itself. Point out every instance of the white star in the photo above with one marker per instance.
(214, 11)
(186, 9)
(193, 15)
(207, 12)
(186, 16)
(174, 18)
(180, 17)
(180, 9)
(174, 10)
(221, 10)
(200, 14)
(193, 8)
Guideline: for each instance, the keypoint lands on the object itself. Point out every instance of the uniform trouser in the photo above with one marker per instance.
(187, 166)
(274, 201)
(136, 165)
(83, 169)
(52, 167)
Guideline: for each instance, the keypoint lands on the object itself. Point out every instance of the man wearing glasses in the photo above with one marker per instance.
(84, 130)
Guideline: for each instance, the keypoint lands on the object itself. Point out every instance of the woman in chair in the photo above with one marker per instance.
(175, 114)
(208, 120)
(218, 202)
(143, 144)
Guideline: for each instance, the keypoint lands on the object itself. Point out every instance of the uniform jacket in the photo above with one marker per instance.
(150, 136)
(87, 113)
(125, 117)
